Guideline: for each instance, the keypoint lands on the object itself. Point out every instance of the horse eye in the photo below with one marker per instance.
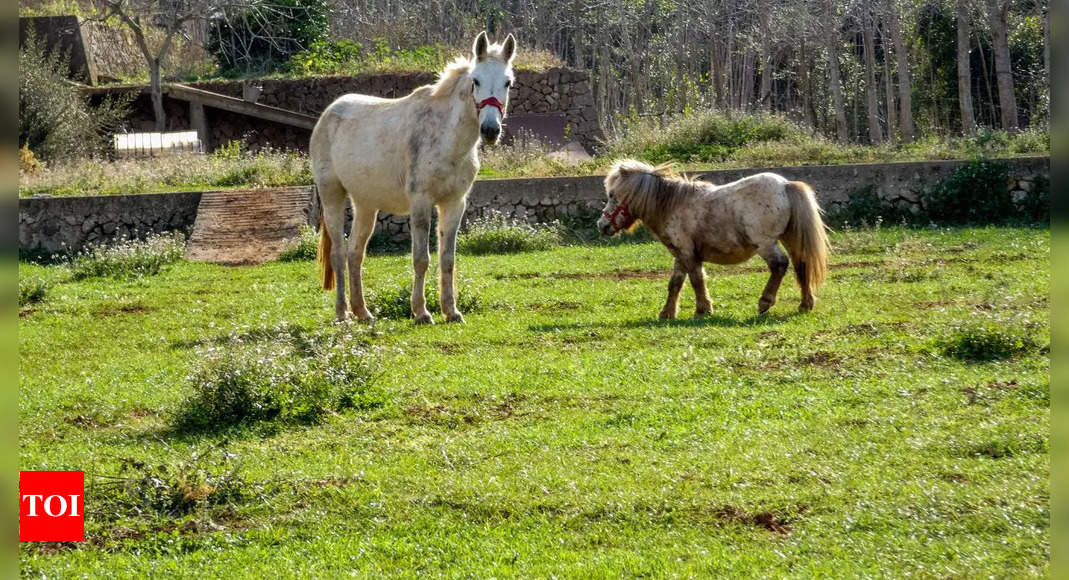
(508, 84)
(476, 81)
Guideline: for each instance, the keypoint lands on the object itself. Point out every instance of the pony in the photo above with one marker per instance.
(405, 156)
(700, 222)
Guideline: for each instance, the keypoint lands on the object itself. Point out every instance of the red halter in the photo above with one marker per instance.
(621, 209)
(492, 102)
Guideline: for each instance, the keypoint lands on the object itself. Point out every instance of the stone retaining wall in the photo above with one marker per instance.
(65, 223)
(555, 90)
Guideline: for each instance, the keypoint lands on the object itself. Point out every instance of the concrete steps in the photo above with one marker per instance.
(248, 227)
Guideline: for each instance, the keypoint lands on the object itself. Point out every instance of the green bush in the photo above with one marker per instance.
(264, 36)
(975, 194)
(330, 57)
(55, 120)
(986, 341)
(292, 379)
(495, 233)
(129, 258)
(705, 136)
(396, 302)
(32, 289)
(303, 248)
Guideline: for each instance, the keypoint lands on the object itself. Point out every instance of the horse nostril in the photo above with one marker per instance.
(491, 133)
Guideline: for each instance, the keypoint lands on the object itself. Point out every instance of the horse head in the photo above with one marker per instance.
(491, 78)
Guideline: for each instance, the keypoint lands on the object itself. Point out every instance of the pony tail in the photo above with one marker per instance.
(323, 255)
(805, 239)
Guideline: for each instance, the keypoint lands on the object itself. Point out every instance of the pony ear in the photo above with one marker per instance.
(478, 50)
(509, 50)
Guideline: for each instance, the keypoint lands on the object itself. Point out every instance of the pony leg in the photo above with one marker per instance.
(449, 216)
(702, 305)
(801, 273)
(364, 219)
(777, 262)
(420, 225)
(332, 198)
(675, 284)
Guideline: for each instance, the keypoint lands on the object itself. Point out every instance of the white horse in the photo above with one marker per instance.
(404, 156)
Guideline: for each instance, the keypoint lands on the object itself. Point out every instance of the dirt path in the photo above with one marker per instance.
(247, 227)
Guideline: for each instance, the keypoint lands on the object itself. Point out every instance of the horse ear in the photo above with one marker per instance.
(509, 51)
(478, 50)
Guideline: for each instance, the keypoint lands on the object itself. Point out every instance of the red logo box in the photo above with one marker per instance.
(51, 506)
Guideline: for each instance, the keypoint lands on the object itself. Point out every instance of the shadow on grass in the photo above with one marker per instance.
(707, 320)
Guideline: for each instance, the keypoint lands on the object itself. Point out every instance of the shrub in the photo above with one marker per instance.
(55, 120)
(303, 248)
(32, 289)
(975, 194)
(294, 378)
(129, 259)
(495, 233)
(985, 341)
(706, 136)
(262, 36)
(396, 302)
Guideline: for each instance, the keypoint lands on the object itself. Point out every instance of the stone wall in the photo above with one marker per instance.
(54, 224)
(556, 90)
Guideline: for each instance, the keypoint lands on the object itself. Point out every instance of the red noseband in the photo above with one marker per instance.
(623, 210)
(492, 102)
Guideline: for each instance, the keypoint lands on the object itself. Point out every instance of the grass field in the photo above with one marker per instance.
(564, 430)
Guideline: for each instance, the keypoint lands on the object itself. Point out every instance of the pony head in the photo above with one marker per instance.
(634, 190)
(491, 78)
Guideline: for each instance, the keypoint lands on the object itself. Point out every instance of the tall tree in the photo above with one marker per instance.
(872, 100)
(831, 44)
(1007, 98)
(906, 127)
(968, 120)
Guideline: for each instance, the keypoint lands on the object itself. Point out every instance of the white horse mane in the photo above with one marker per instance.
(650, 192)
(450, 76)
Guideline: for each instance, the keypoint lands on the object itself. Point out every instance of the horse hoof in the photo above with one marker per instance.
(368, 319)
(805, 308)
(666, 315)
(424, 318)
(344, 316)
(763, 307)
(455, 317)
(702, 313)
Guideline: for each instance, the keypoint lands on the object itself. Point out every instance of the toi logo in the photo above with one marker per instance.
(51, 506)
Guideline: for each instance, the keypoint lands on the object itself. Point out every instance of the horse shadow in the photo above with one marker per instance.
(714, 320)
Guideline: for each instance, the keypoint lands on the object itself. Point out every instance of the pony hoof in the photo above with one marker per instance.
(666, 315)
(343, 316)
(702, 313)
(763, 307)
(366, 319)
(455, 317)
(424, 318)
(805, 307)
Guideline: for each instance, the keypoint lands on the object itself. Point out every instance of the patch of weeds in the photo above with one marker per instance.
(987, 340)
(303, 248)
(974, 194)
(293, 379)
(496, 233)
(129, 258)
(1009, 444)
(396, 302)
(32, 290)
(865, 208)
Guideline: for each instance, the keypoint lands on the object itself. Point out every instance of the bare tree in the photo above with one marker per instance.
(906, 127)
(872, 104)
(1007, 98)
(831, 43)
(968, 120)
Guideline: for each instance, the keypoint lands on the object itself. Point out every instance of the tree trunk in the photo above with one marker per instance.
(803, 80)
(157, 95)
(968, 120)
(991, 113)
(1007, 99)
(889, 88)
(764, 58)
(872, 101)
(831, 36)
(717, 76)
(906, 127)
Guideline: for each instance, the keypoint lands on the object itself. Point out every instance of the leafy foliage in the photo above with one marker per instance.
(292, 378)
(55, 120)
(263, 36)
(304, 247)
(705, 136)
(32, 289)
(987, 340)
(129, 258)
(396, 302)
(975, 194)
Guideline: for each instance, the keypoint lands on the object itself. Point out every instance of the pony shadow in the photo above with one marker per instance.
(716, 320)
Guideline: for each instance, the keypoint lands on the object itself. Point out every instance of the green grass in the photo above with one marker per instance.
(564, 430)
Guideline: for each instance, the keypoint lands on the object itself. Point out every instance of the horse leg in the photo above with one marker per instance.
(803, 282)
(363, 226)
(675, 284)
(420, 225)
(777, 262)
(332, 197)
(449, 216)
(702, 305)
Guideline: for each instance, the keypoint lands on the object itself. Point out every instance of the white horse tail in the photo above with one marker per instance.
(805, 239)
(323, 255)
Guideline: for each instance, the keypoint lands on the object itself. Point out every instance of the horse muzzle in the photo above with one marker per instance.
(605, 227)
(490, 133)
